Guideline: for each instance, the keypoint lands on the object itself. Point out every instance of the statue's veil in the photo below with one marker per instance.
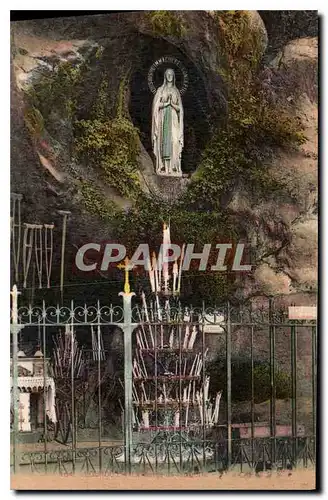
(164, 83)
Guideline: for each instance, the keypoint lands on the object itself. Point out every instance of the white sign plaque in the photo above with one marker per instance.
(213, 323)
(302, 312)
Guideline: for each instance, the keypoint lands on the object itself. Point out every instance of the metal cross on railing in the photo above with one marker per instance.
(127, 267)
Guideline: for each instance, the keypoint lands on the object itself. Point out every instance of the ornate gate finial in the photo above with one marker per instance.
(126, 266)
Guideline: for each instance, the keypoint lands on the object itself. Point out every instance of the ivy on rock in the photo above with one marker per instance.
(111, 144)
(106, 142)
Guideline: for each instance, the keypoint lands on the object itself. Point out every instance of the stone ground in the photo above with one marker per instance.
(298, 480)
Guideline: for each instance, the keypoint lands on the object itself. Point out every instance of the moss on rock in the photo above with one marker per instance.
(34, 121)
(106, 140)
(167, 23)
(111, 144)
(95, 201)
(238, 151)
(56, 89)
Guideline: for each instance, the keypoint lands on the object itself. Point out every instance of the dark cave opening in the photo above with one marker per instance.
(196, 108)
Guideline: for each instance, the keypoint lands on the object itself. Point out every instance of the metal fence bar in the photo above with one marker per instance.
(272, 385)
(72, 416)
(228, 362)
(314, 384)
(127, 331)
(15, 396)
(15, 329)
(61, 461)
(99, 400)
(179, 457)
(203, 380)
(294, 390)
(45, 430)
(180, 396)
(252, 392)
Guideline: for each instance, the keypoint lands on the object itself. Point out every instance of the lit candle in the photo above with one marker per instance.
(175, 274)
(180, 269)
(155, 272)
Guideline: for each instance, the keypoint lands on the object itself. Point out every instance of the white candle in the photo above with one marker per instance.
(155, 272)
(180, 268)
(151, 275)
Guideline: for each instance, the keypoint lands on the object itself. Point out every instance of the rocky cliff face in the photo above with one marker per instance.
(284, 231)
(96, 67)
(286, 25)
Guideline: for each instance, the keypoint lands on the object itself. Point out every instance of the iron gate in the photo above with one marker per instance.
(203, 444)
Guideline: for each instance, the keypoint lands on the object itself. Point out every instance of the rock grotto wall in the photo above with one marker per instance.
(116, 51)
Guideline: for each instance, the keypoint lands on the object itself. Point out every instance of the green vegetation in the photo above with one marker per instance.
(241, 380)
(144, 223)
(56, 89)
(111, 144)
(238, 44)
(235, 153)
(108, 144)
(94, 201)
(167, 23)
(106, 141)
(238, 151)
(34, 121)
(262, 385)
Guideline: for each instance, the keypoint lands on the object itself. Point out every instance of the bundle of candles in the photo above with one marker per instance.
(170, 338)
(173, 388)
(193, 411)
(170, 386)
(159, 268)
(98, 352)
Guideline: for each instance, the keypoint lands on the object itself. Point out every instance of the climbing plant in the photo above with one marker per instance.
(56, 89)
(110, 144)
(238, 150)
(94, 201)
(167, 23)
(241, 379)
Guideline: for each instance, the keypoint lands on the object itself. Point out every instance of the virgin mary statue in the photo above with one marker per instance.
(167, 127)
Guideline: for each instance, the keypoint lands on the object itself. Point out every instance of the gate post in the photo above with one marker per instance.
(15, 329)
(127, 331)
(314, 381)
